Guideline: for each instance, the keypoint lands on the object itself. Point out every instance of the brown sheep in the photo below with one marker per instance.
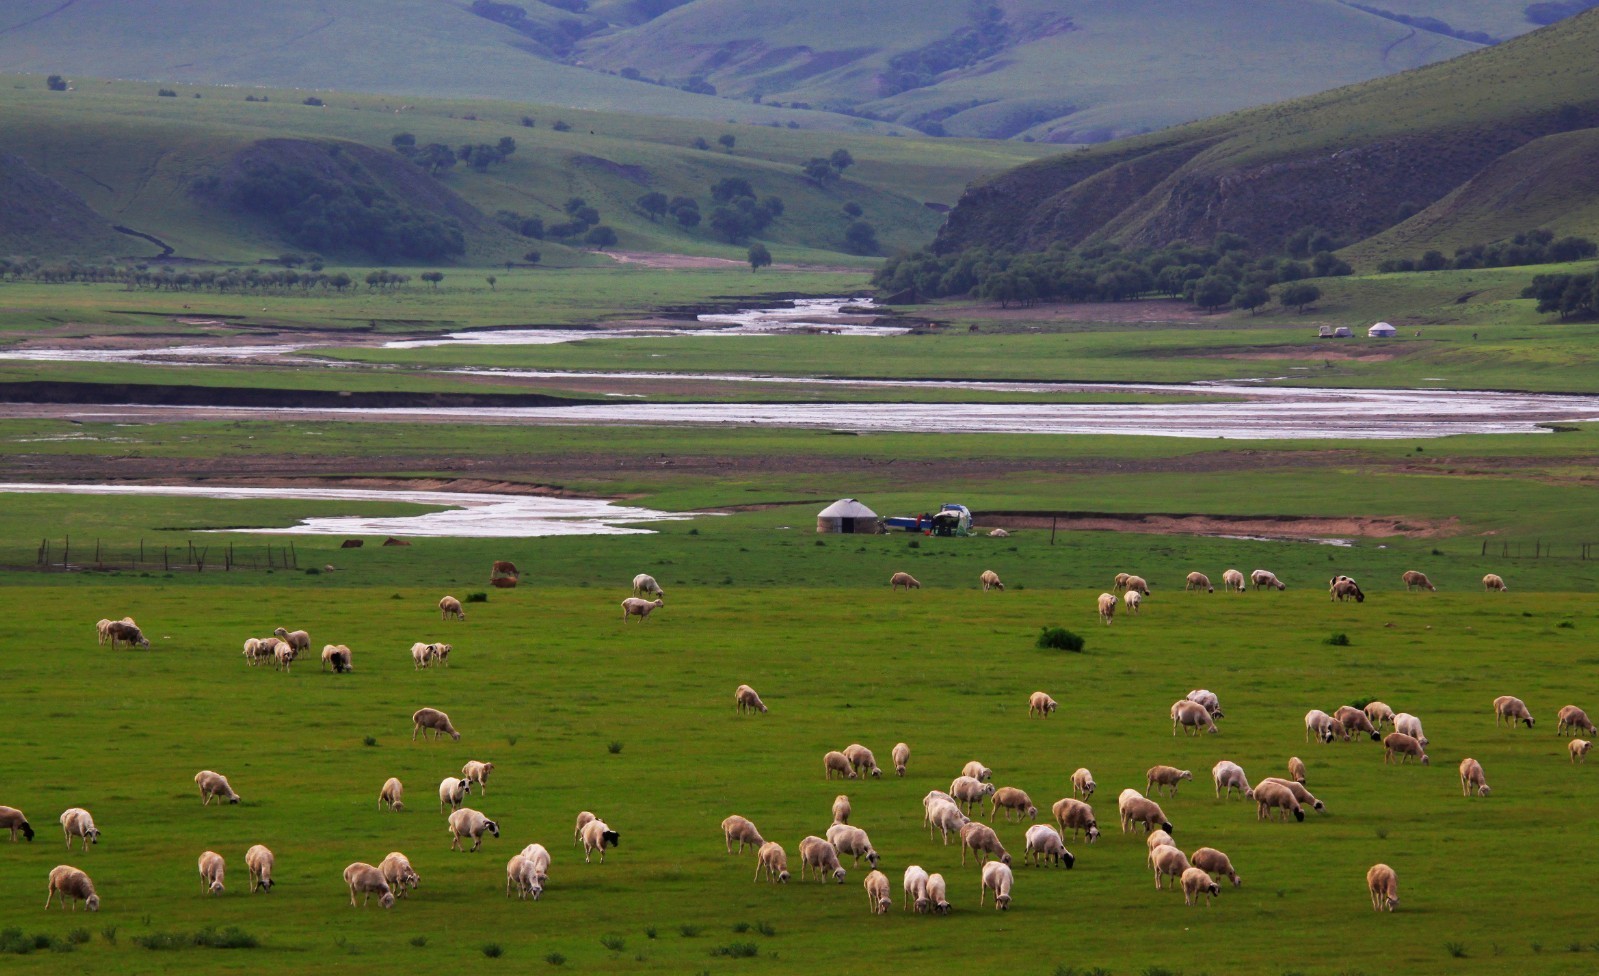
(1199, 581)
(1573, 720)
(1383, 884)
(904, 579)
(13, 820)
(1039, 703)
(1404, 746)
(1494, 584)
(449, 607)
(424, 719)
(1354, 720)
(1212, 861)
(1510, 710)
(1073, 813)
(1417, 581)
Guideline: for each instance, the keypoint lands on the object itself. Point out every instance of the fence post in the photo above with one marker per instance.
(294, 555)
(66, 551)
(166, 566)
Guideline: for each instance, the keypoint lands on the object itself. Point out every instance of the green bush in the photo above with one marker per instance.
(1059, 639)
(1339, 639)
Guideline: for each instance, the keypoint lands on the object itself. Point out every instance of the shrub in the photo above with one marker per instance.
(477, 598)
(615, 747)
(109, 934)
(649, 932)
(615, 943)
(555, 959)
(493, 950)
(313, 101)
(688, 931)
(766, 928)
(1059, 639)
(739, 928)
(231, 937)
(78, 936)
(1455, 949)
(419, 941)
(737, 950)
(369, 740)
(1339, 639)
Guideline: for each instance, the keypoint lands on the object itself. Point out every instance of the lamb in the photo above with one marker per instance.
(1578, 748)
(519, 875)
(901, 755)
(449, 607)
(1573, 720)
(990, 581)
(1232, 581)
(1354, 720)
(102, 631)
(1207, 698)
(1169, 862)
(997, 878)
(368, 880)
(1107, 607)
(1383, 884)
(938, 893)
(742, 830)
(977, 771)
(1379, 713)
(1191, 715)
(1043, 841)
(478, 772)
(424, 719)
(968, 790)
(597, 836)
(1405, 747)
(1323, 726)
(1345, 588)
(878, 892)
(1229, 776)
(1014, 801)
(772, 860)
(644, 585)
(1262, 577)
(1296, 769)
(1199, 581)
(1197, 882)
(746, 700)
(1304, 796)
(854, 842)
(1511, 710)
(1167, 776)
(453, 792)
(981, 840)
(1471, 777)
(259, 861)
(818, 855)
(904, 579)
(338, 657)
(1411, 726)
(538, 859)
(441, 653)
(392, 795)
(1075, 814)
(1134, 601)
(1212, 861)
(862, 761)
(76, 822)
(1039, 703)
(841, 809)
(299, 639)
(1494, 584)
(14, 821)
(211, 871)
(577, 831)
(214, 785)
(467, 822)
(74, 886)
(123, 632)
(1417, 581)
(946, 818)
(397, 871)
(283, 655)
(1083, 783)
(1120, 582)
(1136, 808)
(1136, 584)
(837, 762)
(258, 649)
(634, 607)
(421, 655)
(915, 886)
(1276, 796)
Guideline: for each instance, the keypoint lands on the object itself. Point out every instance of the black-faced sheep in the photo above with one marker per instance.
(1075, 815)
(980, 839)
(1232, 581)
(1043, 841)
(1197, 883)
(338, 657)
(1271, 797)
(13, 820)
(1083, 783)
(1323, 727)
(1304, 796)
(1510, 710)
(938, 893)
(852, 842)
(467, 822)
(1355, 720)
(862, 761)
(597, 836)
(1136, 808)
(1199, 581)
(453, 792)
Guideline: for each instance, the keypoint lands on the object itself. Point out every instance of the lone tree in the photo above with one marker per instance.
(56, 83)
(492, 281)
(759, 257)
(819, 170)
(653, 204)
(600, 237)
(433, 278)
(1299, 294)
(727, 140)
(841, 160)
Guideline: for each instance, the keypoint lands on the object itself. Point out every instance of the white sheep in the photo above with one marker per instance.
(977, 771)
(76, 822)
(1196, 883)
(1578, 748)
(577, 831)
(257, 650)
(746, 700)
(773, 861)
(392, 795)
(915, 885)
(634, 607)
(1014, 801)
(938, 893)
(1229, 776)
(1383, 884)
(1270, 797)
(422, 655)
(1039, 703)
(644, 585)
(1406, 747)
(1136, 808)
(449, 607)
(1574, 721)
(453, 792)
(853, 842)
(1379, 713)
(841, 809)
(968, 790)
(1296, 769)
(1417, 581)
(397, 871)
(1356, 720)
(1199, 581)
(283, 655)
(1192, 717)
(424, 719)
(597, 836)
(743, 830)
(1120, 582)
(368, 880)
(1411, 726)
(211, 872)
(997, 878)
(74, 886)
(1169, 862)
(337, 657)
(980, 839)
(836, 762)
(1232, 581)
(1323, 727)
(862, 761)
(298, 639)
(538, 858)
(878, 895)
(15, 822)
(1134, 600)
(467, 822)
(1072, 813)
(1044, 841)
(519, 875)
(1472, 778)
(1510, 710)
(1494, 584)
(214, 785)
(1212, 861)
(1137, 584)
(1083, 783)
(904, 579)
(478, 773)
(260, 860)
(1168, 776)
(1304, 796)
(1262, 577)
(901, 756)
(946, 818)
(1154, 839)
(817, 855)
(1107, 607)
(990, 581)
(1207, 698)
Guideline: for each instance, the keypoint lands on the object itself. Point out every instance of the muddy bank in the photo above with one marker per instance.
(1256, 526)
(227, 396)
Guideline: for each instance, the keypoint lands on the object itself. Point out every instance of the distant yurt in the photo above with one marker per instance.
(1382, 330)
(849, 516)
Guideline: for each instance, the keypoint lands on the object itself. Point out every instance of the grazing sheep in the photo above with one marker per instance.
(915, 885)
(1207, 698)
(1262, 577)
(259, 859)
(368, 880)
(1120, 582)
(102, 631)
(1191, 716)
(1136, 584)
(1014, 801)
(421, 655)
(841, 809)
(1324, 727)
(854, 842)
(904, 579)
(997, 878)
(1379, 713)
(424, 719)
(76, 822)
(211, 871)
(634, 607)
(1167, 776)
(336, 656)
(837, 762)
(1275, 796)
(772, 860)
(1383, 884)
(1345, 588)
(538, 857)
(519, 875)
(453, 792)
(1196, 883)
(467, 822)
(214, 785)
(980, 839)
(818, 855)
(1199, 581)
(449, 607)
(1511, 710)
(74, 886)
(577, 831)
(1083, 783)
(644, 585)
(1406, 747)
(122, 632)
(968, 790)
(1043, 841)
(1411, 726)
(392, 795)
(13, 820)
(1039, 703)
(1296, 770)
(946, 818)
(478, 772)
(283, 655)
(742, 830)
(597, 836)
(1169, 862)
(1230, 776)
(746, 700)
(1134, 601)
(1136, 808)
(901, 756)
(990, 580)
(1233, 581)
(1472, 778)
(299, 639)
(1157, 838)
(1494, 584)
(1573, 720)
(257, 650)
(397, 871)
(1304, 796)
(1354, 720)
(1107, 607)
(862, 761)
(1417, 581)
(1212, 861)
(1073, 813)
(878, 892)
(1577, 747)
(977, 771)
(938, 893)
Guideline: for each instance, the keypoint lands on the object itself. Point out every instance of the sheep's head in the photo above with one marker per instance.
(1484, 790)
(1319, 806)
(1528, 720)
(872, 857)
(27, 831)
(1424, 760)
(1214, 889)
(1167, 827)
(92, 903)
(216, 887)
(491, 827)
(1069, 859)
(1004, 858)
(398, 806)
(838, 875)
(93, 835)
(1249, 793)
(536, 889)
(1299, 814)
(1032, 813)
(1184, 774)
(387, 899)
(610, 839)
(1002, 902)
(233, 797)
(455, 735)
(782, 877)
(1093, 832)
(1376, 737)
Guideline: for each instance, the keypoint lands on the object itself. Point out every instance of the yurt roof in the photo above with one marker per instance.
(846, 508)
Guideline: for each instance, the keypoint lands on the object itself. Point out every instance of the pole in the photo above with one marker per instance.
(1052, 522)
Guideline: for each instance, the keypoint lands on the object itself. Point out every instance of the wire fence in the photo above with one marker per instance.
(1539, 549)
(65, 556)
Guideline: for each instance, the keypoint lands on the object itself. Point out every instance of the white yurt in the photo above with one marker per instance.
(1382, 330)
(847, 515)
